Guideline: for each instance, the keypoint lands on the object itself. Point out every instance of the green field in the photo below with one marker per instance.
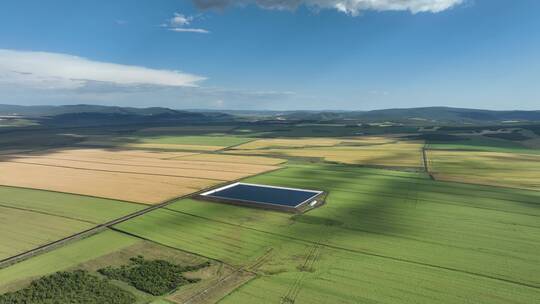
(78, 207)
(382, 236)
(31, 218)
(24, 230)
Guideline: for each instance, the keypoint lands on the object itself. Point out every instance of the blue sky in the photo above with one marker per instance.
(267, 54)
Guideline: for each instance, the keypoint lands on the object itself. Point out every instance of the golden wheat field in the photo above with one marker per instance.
(488, 168)
(312, 142)
(167, 160)
(137, 176)
(379, 151)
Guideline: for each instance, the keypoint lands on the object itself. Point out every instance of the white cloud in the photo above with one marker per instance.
(189, 30)
(151, 96)
(180, 23)
(351, 7)
(180, 20)
(50, 78)
(43, 70)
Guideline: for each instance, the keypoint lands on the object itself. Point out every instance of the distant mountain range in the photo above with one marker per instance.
(69, 109)
(86, 115)
(428, 115)
(410, 116)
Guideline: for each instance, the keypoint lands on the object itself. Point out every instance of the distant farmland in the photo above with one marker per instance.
(517, 170)
(189, 142)
(378, 151)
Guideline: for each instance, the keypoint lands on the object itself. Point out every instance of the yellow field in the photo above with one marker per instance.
(232, 159)
(137, 176)
(488, 168)
(168, 160)
(154, 146)
(117, 154)
(311, 142)
(379, 151)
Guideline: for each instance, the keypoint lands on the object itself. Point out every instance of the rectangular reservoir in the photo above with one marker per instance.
(263, 196)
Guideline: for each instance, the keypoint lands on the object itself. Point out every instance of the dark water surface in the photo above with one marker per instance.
(262, 194)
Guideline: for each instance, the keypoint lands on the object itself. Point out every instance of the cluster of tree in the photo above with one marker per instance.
(69, 287)
(156, 277)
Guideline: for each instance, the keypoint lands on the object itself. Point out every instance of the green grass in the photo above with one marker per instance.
(95, 210)
(161, 301)
(381, 236)
(24, 230)
(66, 257)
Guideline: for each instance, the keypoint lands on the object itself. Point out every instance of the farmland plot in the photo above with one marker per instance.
(168, 142)
(489, 168)
(369, 151)
(63, 258)
(141, 177)
(24, 230)
(90, 209)
(381, 236)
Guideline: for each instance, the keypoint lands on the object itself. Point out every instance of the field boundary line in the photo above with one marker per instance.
(371, 254)
(46, 213)
(113, 200)
(237, 145)
(142, 166)
(113, 171)
(118, 230)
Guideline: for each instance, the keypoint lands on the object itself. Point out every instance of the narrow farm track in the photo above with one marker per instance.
(425, 161)
(52, 245)
(312, 256)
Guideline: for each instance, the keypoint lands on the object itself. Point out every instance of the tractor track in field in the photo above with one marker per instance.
(396, 259)
(312, 257)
